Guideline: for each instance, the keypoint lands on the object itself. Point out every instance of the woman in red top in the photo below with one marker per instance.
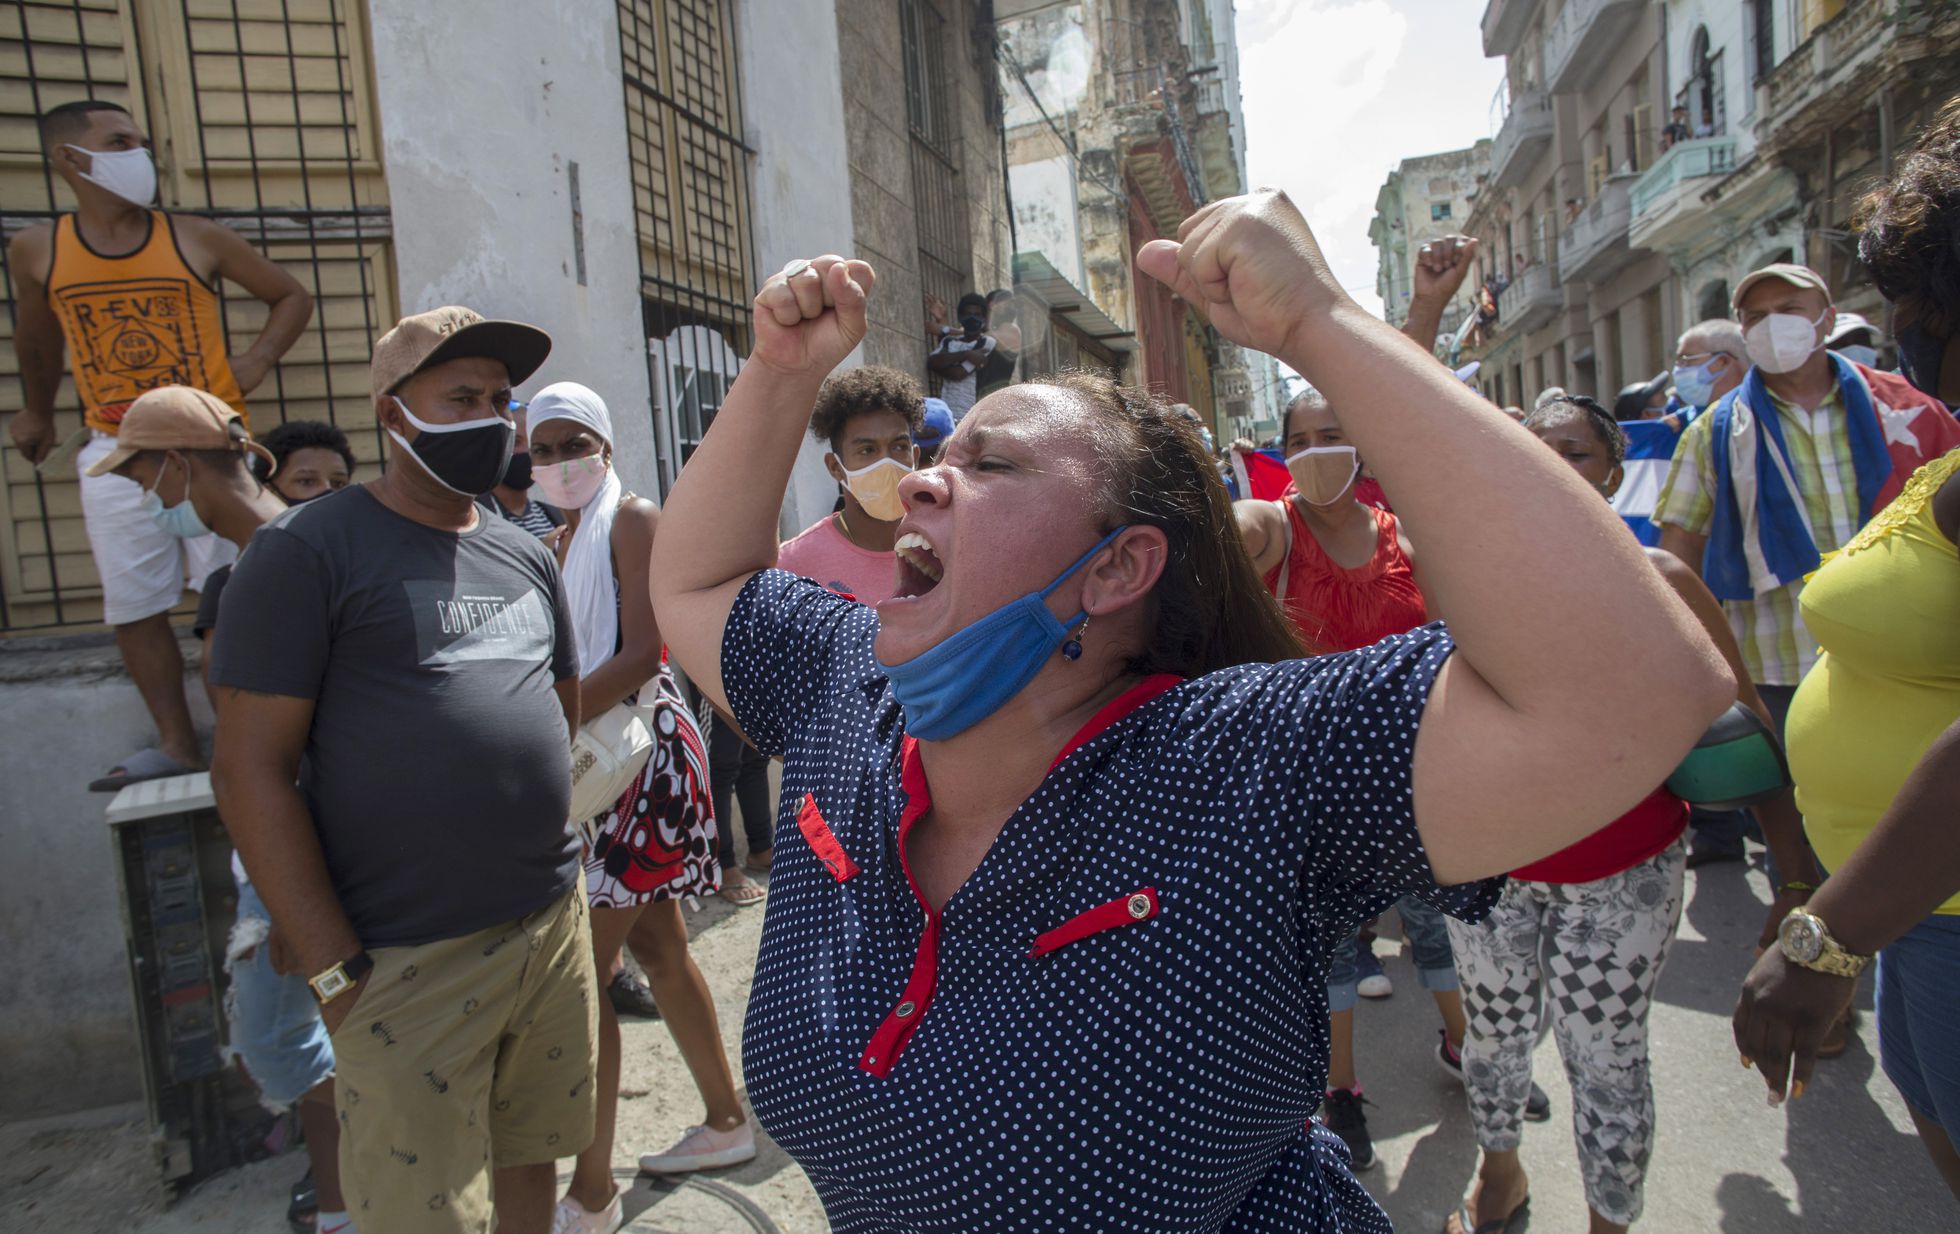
(1345, 574)
(1590, 926)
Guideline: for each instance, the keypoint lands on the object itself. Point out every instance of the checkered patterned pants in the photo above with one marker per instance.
(1596, 951)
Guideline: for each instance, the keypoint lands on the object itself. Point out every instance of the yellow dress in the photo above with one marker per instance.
(1886, 611)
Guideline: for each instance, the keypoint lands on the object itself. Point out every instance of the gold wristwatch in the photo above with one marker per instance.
(1805, 940)
(341, 978)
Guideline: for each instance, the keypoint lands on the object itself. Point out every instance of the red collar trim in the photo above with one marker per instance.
(1122, 705)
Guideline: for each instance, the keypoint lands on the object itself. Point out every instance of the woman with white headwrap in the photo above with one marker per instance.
(656, 844)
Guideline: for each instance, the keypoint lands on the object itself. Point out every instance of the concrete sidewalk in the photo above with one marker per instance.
(1844, 1158)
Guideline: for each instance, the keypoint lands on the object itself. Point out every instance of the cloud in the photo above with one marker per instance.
(1337, 92)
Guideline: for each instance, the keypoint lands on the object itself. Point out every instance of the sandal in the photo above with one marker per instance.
(1496, 1225)
(304, 1212)
(1838, 1039)
(742, 895)
(150, 764)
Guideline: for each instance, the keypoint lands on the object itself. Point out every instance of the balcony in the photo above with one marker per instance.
(1505, 23)
(1525, 134)
(1532, 299)
(1800, 93)
(1583, 38)
(1594, 245)
(1667, 205)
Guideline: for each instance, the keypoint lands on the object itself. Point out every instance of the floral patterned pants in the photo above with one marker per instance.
(1596, 951)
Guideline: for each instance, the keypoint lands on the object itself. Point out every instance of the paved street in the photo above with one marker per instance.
(1842, 1159)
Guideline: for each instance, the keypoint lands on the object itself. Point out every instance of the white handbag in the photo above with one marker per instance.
(609, 752)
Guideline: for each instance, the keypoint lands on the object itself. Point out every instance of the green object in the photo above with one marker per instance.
(1737, 763)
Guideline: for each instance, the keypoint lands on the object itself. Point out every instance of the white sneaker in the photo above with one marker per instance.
(571, 1217)
(704, 1148)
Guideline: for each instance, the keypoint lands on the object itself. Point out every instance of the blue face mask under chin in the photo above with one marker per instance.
(180, 520)
(966, 678)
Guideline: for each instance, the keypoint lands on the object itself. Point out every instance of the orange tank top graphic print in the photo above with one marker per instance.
(136, 322)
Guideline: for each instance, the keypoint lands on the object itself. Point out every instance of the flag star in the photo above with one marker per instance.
(1898, 425)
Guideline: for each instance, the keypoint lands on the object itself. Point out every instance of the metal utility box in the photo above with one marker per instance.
(178, 902)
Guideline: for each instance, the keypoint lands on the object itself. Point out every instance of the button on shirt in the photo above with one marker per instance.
(1120, 1019)
(1769, 630)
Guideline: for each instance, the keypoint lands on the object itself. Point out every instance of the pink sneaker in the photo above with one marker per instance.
(571, 1218)
(704, 1148)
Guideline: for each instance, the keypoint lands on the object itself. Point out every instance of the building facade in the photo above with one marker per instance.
(1607, 233)
(625, 174)
(1123, 117)
(1423, 199)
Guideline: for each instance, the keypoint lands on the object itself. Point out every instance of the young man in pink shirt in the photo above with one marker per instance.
(868, 417)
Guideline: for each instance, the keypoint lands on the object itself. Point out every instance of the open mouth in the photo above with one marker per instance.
(919, 567)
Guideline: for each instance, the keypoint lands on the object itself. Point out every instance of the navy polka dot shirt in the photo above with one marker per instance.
(1120, 1020)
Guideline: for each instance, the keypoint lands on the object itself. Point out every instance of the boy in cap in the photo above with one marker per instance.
(415, 652)
(190, 449)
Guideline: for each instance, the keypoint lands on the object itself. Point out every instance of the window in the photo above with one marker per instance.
(691, 209)
(1763, 29)
(938, 203)
(1438, 211)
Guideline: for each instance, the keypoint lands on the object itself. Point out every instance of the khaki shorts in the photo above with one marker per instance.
(464, 1056)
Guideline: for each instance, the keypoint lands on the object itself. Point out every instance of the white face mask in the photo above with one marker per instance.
(129, 174)
(1781, 342)
(876, 488)
(1324, 474)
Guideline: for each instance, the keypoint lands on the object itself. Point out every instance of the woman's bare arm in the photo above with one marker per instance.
(1580, 678)
(638, 658)
(719, 525)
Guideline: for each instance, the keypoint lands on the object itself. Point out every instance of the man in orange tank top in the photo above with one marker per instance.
(130, 293)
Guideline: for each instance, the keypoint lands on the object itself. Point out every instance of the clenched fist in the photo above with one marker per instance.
(810, 316)
(1251, 265)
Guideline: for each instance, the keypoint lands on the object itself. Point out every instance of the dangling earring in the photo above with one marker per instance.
(1072, 650)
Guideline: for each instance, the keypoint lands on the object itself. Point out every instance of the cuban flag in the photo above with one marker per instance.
(1258, 474)
(1650, 448)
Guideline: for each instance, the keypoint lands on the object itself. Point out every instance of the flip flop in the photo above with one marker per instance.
(150, 764)
(748, 895)
(1496, 1225)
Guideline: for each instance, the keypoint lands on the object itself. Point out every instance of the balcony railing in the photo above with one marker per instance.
(1594, 244)
(1584, 35)
(1812, 70)
(1662, 189)
(1531, 299)
(1524, 134)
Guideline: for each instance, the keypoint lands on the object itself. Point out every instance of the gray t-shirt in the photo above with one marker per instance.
(438, 768)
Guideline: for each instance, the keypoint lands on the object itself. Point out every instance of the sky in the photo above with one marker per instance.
(1337, 92)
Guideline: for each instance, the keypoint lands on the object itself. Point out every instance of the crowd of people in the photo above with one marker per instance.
(1036, 686)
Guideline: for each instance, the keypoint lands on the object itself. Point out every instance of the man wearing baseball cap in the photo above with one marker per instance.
(1788, 466)
(409, 658)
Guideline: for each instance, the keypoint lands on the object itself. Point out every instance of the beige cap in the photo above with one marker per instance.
(1787, 271)
(450, 333)
(177, 418)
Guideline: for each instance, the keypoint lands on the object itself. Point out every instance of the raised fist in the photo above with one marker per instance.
(1441, 266)
(1251, 265)
(810, 316)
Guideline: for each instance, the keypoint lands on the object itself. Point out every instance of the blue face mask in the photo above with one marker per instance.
(180, 520)
(1696, 385)
(952, 687)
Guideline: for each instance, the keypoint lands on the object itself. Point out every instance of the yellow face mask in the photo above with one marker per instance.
(1323, 474)
(876, 488)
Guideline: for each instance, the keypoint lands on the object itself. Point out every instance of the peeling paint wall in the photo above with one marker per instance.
(479, 129)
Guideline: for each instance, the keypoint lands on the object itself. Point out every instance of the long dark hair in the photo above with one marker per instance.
(1211, 610)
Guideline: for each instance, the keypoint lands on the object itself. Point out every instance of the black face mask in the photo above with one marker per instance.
(1920, 355)
(973, 326)
(467, 458)
(325, 492)
(517, 472)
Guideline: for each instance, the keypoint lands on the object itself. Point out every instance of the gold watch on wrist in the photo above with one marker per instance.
(341, 978)
(1805, 940)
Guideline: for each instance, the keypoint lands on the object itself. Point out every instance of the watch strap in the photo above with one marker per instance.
(359, 966)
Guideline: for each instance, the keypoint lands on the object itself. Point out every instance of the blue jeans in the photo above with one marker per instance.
(1429, 940)
(1918, 1005)
(273, 1020)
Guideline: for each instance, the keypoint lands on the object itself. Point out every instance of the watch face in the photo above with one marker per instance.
(1801, 940)
(331, 983)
